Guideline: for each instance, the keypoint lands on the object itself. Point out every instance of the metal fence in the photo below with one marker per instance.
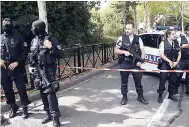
(84, 56)
(81, 56)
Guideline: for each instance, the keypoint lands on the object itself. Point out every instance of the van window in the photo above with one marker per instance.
(160, 39)
(151, 40)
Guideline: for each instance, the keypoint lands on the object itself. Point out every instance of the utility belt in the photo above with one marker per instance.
(125, 58)
(161, 62)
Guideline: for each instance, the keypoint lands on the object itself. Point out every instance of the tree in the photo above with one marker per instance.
(43, 12)
(68, 21)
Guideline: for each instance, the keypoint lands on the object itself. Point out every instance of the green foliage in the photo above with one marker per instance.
(171, 10)
(68, 21)
(23, 13)
(114, 18)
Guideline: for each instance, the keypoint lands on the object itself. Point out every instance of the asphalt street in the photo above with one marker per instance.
(96, 103)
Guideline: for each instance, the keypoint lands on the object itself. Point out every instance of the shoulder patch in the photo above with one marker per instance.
(25, 44)
(58, 47)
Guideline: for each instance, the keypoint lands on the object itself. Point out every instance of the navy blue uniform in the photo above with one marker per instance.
(14, 49)
(172, 76)
(48, 64)
(127, 63)
(184, 63)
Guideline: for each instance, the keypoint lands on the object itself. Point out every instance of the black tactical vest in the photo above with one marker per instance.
(10, 47)
(41, 53)
(184, 51)
(134, 44)
(171, 51)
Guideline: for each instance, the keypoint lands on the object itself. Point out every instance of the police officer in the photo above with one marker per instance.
(13, 56)
(45, 49)
(170, 55)
(184, 63)
(126, 62)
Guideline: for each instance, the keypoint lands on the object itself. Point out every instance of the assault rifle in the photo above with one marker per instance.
(129, 48)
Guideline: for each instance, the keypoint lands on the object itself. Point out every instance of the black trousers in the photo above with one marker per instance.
(172, 77)
(20, 79)
(183, 65)
(49, 99)
(137, 76)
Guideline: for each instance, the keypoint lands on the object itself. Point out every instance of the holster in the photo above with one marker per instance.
(160, 63)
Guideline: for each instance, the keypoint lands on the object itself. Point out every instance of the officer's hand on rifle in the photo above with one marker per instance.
(126, 53)
(47, 44)
(13, 65)
(139, 64)
(2, 63)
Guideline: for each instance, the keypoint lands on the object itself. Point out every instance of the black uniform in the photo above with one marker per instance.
(126, 62)
(171, 52)
(47, 60)
(184, 64)
(49, 67)
(14, 49)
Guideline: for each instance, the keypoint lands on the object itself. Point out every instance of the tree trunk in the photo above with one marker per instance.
(182, 17)
(145, 16)
(43, 12)
(135, 17)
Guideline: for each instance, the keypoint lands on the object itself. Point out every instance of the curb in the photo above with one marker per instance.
(69, 82)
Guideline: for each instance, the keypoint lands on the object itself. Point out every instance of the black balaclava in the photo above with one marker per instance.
(7, 25)
(186, 29)
(38, 28)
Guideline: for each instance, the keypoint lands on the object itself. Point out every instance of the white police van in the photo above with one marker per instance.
(151, 47)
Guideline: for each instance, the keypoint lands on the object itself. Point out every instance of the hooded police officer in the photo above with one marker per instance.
(184, 63)
(13, 57)
(45, 49)
(127, 62)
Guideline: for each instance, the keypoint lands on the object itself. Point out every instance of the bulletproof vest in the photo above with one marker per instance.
(134, 45)
(10, 47)
(42, 53)
(171, 51)
(184, 51)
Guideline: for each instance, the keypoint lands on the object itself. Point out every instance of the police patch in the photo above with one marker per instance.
(58, 47)
(25, 44)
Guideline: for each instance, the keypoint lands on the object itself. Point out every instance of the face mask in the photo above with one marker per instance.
(35, 31)
(7, 26)
(38, 27)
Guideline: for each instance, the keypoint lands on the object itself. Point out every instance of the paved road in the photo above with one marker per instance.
(96, 103)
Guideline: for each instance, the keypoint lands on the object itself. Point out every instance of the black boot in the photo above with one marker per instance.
(172, 97)
(141, 99)
(160, 99)
(12, 112)
(47, 118)
(25, 112)
(124, 100)
(56, 122)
